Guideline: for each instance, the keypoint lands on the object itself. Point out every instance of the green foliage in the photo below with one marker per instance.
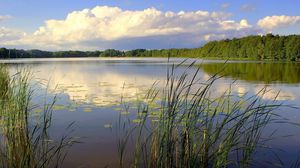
(136, 53)
(112, 53)
(4, 82)
(3, 53)
(24, 138)
(60, 54)
(251, 47)
(255, 48)
(192, 128)
(14, 53)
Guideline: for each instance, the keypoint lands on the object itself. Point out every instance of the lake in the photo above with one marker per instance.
(90, 92)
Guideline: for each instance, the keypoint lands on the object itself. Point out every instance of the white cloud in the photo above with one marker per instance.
(111, 27)
(273, 93)
(103, 88)
(105, 27)
(273, 22)
(111, 23)
(10, 35)
(4, 17)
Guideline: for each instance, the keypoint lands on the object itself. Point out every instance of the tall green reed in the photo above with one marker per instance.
(25, 141)
(194, 128)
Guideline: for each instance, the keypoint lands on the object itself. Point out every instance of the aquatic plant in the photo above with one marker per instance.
(193, 128)
(25, 141)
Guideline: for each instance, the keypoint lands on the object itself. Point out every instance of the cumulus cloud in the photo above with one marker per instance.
(105, 27)
(272, 22)
(10, 35)
(272, 93)
(111, 23)
(4, 17)
(111, 27)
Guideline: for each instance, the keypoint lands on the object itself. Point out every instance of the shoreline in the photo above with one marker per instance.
(50, 59)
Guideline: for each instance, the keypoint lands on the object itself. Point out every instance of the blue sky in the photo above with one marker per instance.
(21, 20)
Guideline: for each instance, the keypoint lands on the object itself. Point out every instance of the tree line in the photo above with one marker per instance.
(268, 47)
(15, 53)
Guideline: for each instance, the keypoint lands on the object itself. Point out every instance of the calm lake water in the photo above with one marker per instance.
(89, 93)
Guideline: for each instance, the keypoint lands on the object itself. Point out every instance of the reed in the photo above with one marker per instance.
(194, 128)
(25, 141)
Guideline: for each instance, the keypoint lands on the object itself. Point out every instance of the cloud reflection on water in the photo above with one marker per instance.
(103, 84)
(100, 90)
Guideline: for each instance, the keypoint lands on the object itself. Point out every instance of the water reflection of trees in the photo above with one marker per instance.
(257, 72)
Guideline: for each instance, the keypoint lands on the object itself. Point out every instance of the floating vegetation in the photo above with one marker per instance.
(125, 113)
(190, 128)
(118, 109)
(38, 110)
(24, 142)
(108, 126)
(137, 121)
(153, 105)
(58, 107)
(72, 109)
(87, 109)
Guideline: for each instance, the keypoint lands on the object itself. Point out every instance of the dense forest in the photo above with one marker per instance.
(270, 47)
(14, 53)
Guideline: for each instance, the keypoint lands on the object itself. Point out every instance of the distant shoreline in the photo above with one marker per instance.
(138, 60)
(268, 47)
